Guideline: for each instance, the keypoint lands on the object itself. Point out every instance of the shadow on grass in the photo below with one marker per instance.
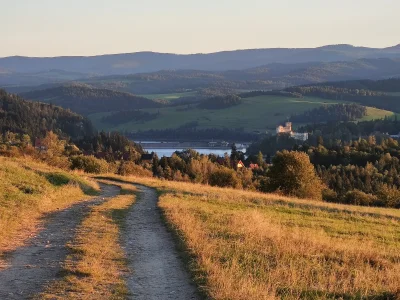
(287, 293)
(60, 179)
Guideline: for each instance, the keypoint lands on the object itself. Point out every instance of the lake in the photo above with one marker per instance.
(168, 148)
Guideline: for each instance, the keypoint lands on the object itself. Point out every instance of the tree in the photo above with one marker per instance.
(260, 159)
(54, 146)
(224, 178)
(293, 174)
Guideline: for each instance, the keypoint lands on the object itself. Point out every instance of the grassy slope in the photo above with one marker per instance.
(376, 113)
(248, 245)
(257, 113)
(27, 191)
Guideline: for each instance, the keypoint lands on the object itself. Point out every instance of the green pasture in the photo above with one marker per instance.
(257, 113)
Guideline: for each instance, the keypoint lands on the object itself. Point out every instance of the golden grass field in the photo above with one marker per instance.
(247, 245)
(94, 270)
(28, 190)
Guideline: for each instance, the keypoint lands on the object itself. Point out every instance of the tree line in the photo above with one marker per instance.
(331, 113)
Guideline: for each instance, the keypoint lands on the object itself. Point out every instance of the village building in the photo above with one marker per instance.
(287, 129)
(39, 145)
(253, 166)
(240, 165)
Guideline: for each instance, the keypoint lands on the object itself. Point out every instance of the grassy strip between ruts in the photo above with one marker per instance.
(94, 269)
(29, 190)
(252, 246)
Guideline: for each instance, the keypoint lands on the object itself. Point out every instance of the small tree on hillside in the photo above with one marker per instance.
(293, 174)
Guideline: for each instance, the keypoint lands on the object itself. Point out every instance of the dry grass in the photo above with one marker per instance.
(94, 270)
(254, 246)
(28, 190)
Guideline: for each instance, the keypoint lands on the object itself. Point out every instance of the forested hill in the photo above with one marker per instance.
(35, 119)
(87, 100)
(271, 76)
(383, 94)
(390, 85)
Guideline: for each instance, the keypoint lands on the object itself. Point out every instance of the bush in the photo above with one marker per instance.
(358, 197)
(129, 168)
(329, 195)
(89, 164)
(224, 178)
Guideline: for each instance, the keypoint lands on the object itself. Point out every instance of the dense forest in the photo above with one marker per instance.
(35, 119)
(331, 113)
(189, 131)
(380, 99)
(333, 133)
(88, 100)
(122, 117)
(384, 85)
(220, 102)
(365, 172)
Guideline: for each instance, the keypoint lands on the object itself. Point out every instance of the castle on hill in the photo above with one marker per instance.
(287, 129)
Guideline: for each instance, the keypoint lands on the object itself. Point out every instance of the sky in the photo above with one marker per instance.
(92, 27)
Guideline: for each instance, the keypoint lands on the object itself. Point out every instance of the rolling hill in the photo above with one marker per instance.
(272, 76)
(20, 116)
(252, 114)
(228, 60)
(85, 99)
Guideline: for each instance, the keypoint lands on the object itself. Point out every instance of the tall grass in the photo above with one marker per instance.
(255, 246)
(28, 190)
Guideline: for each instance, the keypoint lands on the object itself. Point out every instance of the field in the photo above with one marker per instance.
(257, 113)
(169, 97)
(246, 245)
(376, 113)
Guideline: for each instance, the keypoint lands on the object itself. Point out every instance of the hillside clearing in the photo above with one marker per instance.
(169, 97)
(256, 246)
(257, 113)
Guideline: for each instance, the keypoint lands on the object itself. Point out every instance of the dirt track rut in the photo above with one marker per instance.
(158, 271)
(32, 266)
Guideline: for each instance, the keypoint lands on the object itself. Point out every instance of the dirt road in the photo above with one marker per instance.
(158, 271)
(31, 267)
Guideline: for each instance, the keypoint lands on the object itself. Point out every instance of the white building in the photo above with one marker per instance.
(288, 130)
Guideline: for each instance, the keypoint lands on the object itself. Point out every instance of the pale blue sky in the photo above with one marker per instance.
(89, 27)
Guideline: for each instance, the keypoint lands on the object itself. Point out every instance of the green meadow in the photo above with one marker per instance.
(257, 113)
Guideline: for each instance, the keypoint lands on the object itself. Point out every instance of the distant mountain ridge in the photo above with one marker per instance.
(143, 62)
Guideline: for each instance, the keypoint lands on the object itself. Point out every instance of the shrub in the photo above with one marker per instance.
(129, 168)
(329, 195)
(224, 178)
(358, 197)
(89, 164)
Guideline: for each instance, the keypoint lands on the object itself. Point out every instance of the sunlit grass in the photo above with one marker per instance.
(28, 190)
(94, 269)
(248, 245)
